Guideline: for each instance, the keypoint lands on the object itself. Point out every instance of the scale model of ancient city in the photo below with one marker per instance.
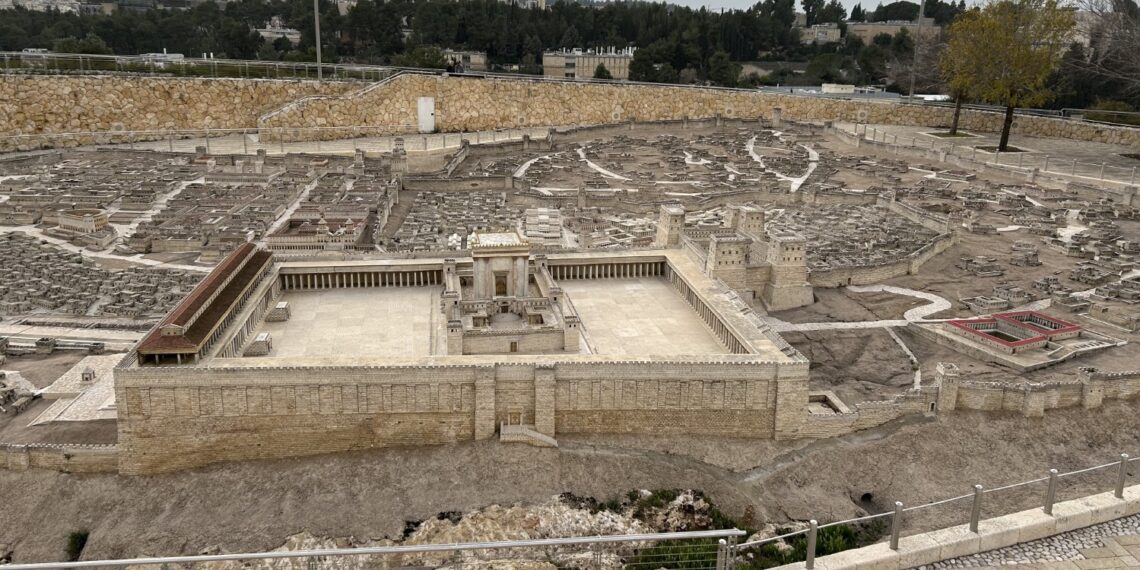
(799, 307)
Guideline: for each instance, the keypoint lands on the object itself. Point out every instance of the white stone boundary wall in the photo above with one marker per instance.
(957, 541)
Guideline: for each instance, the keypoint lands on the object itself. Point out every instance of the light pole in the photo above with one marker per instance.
(317, 24)
(913, 64)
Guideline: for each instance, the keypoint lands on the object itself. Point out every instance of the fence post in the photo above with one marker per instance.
(1101, 171)
(1046, 168)
(1121, 476)
(812, 537)
(208, 142)
(244, 142)
(1020, 157)
(170, 140)
(1074, 172)
(1133, 180)
(974, 154)
(722, 554)
(896, 525)
(976, 513)
(1051, 492)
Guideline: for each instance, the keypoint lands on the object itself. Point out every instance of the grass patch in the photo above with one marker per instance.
(75, 543)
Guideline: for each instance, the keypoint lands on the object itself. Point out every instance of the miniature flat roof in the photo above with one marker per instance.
(497, 239)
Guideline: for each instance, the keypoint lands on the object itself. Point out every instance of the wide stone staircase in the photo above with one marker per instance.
(525, 434)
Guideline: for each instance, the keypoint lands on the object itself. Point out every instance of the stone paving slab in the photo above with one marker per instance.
(1114, 544)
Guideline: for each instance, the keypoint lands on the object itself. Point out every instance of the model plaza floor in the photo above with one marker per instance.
(388, 321)
(642, 316)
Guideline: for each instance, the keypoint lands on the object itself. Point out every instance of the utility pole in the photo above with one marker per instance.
(317, 24)
(913, 64)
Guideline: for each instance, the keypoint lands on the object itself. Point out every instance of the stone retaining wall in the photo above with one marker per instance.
(58, 457)
(34, 105)
(1089, 389)
(470, 104)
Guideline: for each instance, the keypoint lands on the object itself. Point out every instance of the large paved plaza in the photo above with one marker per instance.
(389, 321)
(643, 316)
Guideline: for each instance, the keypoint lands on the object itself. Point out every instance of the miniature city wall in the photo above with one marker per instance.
(70, 104)
(57, 457)
(1089, 389)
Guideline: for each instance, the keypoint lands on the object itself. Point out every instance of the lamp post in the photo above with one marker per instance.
(317, 25)
(917, 37)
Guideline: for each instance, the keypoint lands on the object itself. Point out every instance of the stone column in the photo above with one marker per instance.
(485, 402)
(521, 277)
(544, 399)
(777, 117)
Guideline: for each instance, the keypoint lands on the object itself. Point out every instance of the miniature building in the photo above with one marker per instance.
(83, 221)
(1015, 332)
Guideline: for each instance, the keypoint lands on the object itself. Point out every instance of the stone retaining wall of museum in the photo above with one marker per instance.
(32, 105)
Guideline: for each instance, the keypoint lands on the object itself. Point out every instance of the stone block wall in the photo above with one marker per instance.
(1089, 389)
(57, 457)
(470, 104)
(32, 105)
(867, 415)
(179, 418)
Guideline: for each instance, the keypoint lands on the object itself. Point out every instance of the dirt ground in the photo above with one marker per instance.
(41, 370)
(857, 365)
(255, 505)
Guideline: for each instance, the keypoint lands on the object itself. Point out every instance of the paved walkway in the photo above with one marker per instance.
(250, 144)
(1114, 544)
(1078, 158)
(935, 305)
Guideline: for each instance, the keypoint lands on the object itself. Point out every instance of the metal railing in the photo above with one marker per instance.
(696, 550)
(1023, 161)
(977, 501)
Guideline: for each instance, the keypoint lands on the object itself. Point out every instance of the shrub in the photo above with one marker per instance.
(75, 543)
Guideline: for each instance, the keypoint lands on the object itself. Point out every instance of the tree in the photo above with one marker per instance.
(570, 38)
(90, 43)
(601, 72)
(722, 71)
(812, 8)
(1114, 42)
(857, 14)
(833, 12)
(1007, 51)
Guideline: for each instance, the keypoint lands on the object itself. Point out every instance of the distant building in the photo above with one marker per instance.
(868, 30)
(541, 4)
(471, 60)
(69, 6)
(579, 64)
(828, 33)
